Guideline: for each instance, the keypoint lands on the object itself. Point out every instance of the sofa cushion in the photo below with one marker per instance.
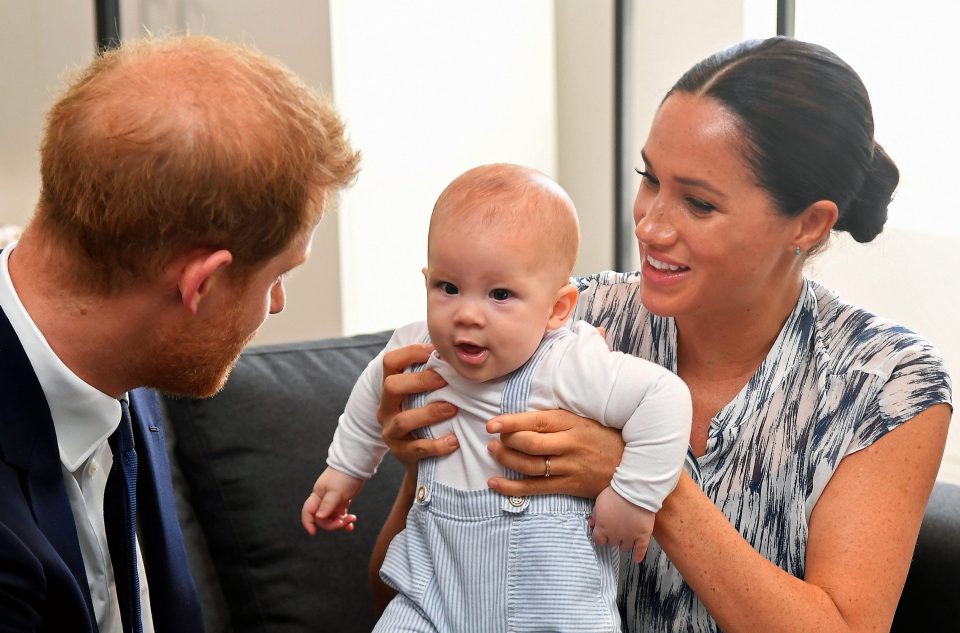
(929, 601)
(249, 457)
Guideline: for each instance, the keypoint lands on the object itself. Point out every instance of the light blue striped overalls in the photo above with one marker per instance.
(474, 561)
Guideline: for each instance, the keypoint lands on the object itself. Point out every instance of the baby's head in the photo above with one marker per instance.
(502, 244)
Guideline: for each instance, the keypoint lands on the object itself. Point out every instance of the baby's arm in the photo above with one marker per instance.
(327, 505)
(616, 521)
(652, 407)
(657, 434)
(357, 447)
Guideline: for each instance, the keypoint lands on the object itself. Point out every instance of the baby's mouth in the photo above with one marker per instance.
(470, 353)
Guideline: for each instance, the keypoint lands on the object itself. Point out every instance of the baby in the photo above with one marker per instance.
(502, 243)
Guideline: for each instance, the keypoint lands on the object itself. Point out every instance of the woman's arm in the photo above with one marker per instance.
(862, 531)
(862, 534)
(398, 425)
(396, 521)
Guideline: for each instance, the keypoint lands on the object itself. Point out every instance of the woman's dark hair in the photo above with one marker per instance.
(808, 128)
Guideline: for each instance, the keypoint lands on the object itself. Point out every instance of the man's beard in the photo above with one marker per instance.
(196, 363)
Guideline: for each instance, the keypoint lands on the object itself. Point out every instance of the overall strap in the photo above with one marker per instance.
(516, 397)
(427, 466)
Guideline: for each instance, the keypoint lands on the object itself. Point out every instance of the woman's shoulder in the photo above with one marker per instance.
(876, 366)
(857, 340)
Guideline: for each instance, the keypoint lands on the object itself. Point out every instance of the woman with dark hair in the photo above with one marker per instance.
(818, 427)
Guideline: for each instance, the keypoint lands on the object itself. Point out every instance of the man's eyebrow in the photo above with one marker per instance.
(686, 180)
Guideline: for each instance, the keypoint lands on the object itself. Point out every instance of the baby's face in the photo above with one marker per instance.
(490, 294)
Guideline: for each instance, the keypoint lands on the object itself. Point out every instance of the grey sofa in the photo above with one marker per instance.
(246, 459)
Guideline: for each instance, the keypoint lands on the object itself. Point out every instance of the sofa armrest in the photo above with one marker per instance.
(249, 457)
(929, 602)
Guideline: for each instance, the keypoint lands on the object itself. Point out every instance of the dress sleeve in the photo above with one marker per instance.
(918, 379)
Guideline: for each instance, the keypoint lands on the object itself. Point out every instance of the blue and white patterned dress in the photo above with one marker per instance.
(836, 380)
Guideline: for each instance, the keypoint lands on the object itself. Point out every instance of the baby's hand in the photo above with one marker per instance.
(616, 521)
(327, 505)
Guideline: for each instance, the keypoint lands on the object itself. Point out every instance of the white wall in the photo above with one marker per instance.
(430, 89)
(585, 125)
(39, 40)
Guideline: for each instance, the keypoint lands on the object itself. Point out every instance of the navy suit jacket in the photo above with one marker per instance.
(43, 585)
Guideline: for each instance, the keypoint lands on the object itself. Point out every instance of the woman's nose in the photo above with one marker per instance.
(654, 221)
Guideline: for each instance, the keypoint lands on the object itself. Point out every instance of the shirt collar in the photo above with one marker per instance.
(83, 416)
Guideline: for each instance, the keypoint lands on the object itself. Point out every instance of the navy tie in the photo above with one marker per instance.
(120, 519)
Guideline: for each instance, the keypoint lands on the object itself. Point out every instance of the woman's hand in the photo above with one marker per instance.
(397, 427)
(398, 424)
(583, 453)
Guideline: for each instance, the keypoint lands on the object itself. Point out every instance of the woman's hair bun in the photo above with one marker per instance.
(866, 214)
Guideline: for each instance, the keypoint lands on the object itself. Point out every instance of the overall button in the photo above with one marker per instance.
(516, 502)
(421, 493)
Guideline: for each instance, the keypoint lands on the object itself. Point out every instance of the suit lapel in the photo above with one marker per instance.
(28, 441)
(173, 596)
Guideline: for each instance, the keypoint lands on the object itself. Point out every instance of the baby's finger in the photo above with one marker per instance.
(639, 551)
(600, 537)
(342, 522)
(330, 502)
(307, 513)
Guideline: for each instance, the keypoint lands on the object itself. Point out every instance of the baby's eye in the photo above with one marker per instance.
(448, 288)
(500, 294)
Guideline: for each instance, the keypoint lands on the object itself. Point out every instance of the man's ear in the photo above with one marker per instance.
(198, 275)
(563, 306)
(816, 222)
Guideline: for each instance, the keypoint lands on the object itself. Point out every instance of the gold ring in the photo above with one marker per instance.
(546, 466)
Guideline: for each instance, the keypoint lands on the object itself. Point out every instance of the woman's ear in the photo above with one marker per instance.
(198, 274)
(563, 306)
(816, 222)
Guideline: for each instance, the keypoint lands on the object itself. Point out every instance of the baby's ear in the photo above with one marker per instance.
(563, 306)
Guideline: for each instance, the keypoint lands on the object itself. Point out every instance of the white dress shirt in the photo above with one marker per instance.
(83, 418)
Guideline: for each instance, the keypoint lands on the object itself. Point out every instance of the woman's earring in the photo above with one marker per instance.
(796, 251)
